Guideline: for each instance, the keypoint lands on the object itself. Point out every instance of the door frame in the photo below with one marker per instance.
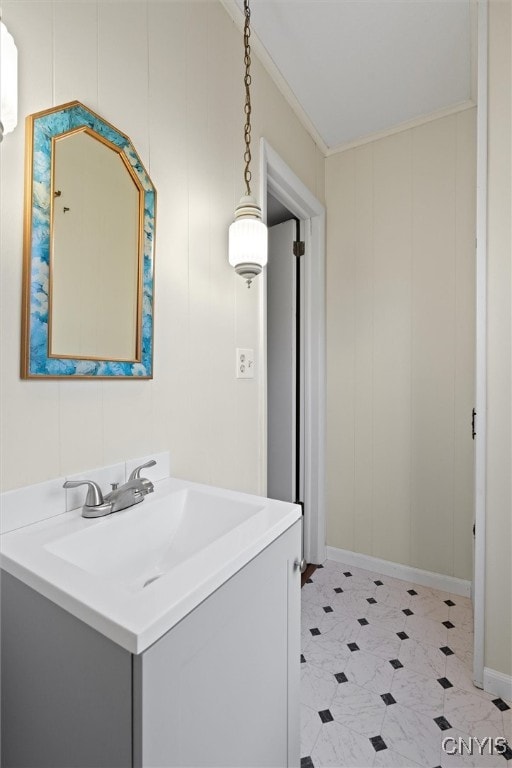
(277, 178)
(481, 351)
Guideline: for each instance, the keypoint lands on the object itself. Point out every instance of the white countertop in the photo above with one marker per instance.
(96, 568)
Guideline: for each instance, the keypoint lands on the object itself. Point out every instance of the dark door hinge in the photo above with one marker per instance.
(299, 248)
(473, 424)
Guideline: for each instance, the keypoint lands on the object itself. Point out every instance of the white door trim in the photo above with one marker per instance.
(276, 177)
(481, 350)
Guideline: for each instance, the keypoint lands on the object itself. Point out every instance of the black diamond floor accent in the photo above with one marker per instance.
(507, 754)
(450, 603)
(448, 624)
(353, 647)
(444, 682)
(371, 600)
(341, 677)
(325, 716)
(442, 722)
(388, 699)
(412, 592)
(502, 705)
(378, 743)
(338, 590)
(306, 762)
(407, 611)
(327, 609)
(396, 663)
(379, 583)
(302, 659)
(315, 631)
(319, 566)
(363, 622)
(347, 573)
(402, 636)
(447, 651)
(309, 581)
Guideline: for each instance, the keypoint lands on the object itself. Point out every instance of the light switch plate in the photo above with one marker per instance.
(244, 363)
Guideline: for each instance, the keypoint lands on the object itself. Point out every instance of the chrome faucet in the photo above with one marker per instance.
(130, 493)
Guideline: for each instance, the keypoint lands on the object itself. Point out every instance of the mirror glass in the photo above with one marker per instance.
(89, 250)
(94, 256)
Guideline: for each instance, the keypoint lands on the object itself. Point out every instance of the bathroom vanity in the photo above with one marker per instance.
(166, 635)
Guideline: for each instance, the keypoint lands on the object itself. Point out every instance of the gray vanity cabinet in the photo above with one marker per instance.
(219, 689)
(66, 689)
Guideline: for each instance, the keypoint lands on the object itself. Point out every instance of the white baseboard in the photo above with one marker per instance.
(398, 571)
(498, 683)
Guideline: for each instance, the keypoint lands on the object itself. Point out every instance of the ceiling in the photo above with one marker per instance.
(356, 68)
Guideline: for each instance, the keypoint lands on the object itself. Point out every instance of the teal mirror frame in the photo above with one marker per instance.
(41, 129)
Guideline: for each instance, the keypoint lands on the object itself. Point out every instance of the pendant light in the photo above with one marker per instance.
(8, 82)
(247, 234)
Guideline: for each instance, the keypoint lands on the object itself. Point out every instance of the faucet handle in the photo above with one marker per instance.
(94, 495)
(135, 475)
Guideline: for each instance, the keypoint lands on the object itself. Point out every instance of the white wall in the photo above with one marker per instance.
(400, 346)
(498, 595)
(170, 76)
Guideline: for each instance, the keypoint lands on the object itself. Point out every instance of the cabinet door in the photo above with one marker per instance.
(222, 687)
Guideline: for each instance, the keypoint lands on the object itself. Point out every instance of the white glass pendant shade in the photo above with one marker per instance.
(8, 82)
(248, 240)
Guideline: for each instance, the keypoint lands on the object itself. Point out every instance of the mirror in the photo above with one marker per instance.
(89, 250)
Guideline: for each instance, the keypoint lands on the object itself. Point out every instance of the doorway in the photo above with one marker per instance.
(285, 381)
(279, 184)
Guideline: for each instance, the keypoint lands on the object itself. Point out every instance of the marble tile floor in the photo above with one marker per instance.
(386, 676)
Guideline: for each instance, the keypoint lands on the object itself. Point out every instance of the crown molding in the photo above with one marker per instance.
(405, 126)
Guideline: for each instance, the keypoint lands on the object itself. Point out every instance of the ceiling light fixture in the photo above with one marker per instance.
(247, 234)
(8, 82)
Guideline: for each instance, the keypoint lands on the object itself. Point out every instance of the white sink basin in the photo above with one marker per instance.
(152, 539)
(134, 574)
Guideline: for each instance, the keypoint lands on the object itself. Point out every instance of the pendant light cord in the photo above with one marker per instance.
(247, 107)
(247, 234)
